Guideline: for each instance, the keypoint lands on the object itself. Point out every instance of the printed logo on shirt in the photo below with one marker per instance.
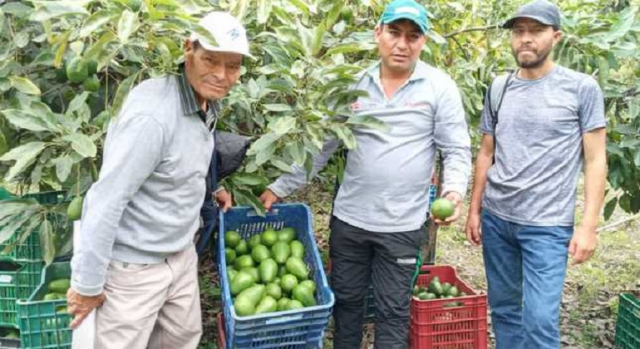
(364, 106)
(417, 105)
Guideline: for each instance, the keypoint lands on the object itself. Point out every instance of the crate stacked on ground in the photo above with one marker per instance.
(628, 324)
(43, 318)
(283, 245)
(446, 312)
(17, 281)
(21, 258)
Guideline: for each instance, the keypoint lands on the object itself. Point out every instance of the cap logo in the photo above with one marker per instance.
(233, 33)
(407, 9)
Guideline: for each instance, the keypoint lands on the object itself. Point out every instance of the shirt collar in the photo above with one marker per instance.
(419, 72)
(187, 94)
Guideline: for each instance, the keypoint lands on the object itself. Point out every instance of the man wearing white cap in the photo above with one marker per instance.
(136, 263)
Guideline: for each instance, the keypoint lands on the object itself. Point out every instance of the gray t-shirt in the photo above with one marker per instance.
(539, 147)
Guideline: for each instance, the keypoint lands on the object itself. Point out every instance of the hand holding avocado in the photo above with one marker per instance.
(446, 209)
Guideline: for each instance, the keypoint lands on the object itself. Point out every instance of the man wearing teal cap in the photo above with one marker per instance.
(381, 205)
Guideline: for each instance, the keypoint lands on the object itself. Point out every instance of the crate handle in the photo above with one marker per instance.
(273, 212)
(282, 319)
(5, 279)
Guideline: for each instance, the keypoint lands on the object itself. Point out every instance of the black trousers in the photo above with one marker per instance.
(388, 261)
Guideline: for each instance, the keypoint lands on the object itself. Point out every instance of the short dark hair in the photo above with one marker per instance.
(196, 45)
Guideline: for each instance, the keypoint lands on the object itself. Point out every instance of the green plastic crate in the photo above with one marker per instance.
(45, 324)
(16, 282)
(628, 326)
(30, 250)
(8, 342)
(5, 194)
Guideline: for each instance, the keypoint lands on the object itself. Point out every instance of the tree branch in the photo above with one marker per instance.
(613, 225)
(466, 54)
(474, 29)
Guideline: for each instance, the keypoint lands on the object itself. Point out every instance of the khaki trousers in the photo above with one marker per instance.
(155, 306)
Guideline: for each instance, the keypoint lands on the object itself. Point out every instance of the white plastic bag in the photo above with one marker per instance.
(84, 335)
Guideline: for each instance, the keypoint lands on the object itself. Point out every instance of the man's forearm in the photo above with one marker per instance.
(594, 183)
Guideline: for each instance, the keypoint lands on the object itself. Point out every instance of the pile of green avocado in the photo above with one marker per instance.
(267, 272)
(57, 290)
(438, 290)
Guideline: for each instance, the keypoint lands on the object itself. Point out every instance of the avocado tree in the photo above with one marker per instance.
(67, 66)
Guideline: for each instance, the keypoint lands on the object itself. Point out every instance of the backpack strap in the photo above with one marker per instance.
(496, 92)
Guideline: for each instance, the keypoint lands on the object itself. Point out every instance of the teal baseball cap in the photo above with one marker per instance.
(406, 9)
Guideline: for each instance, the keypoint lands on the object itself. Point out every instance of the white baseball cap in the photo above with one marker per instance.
(229, 33)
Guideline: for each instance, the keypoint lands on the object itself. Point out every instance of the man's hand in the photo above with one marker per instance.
(474, 229)
(457, 202)
(583, 245)
(224, 199)
(81, 306)
(268, 198)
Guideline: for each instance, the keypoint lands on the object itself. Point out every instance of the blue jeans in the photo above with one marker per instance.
(526, 267)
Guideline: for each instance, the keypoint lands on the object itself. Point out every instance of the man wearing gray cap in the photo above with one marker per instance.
(136, 263)
(540, 125)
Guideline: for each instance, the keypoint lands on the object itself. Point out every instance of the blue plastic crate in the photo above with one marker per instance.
(294, 329)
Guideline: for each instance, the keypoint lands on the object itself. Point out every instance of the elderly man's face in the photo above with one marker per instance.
(212, 74)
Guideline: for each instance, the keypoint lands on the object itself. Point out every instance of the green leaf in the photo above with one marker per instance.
(263, 143)
(47, 241)
(95, 21)
(636, 159)
(277, 107)
(281, 165)
(77, 102)
(265, 154)
(32, 224)
(64, 165)
(248, 179)
(318, 36)
(246, 198)
(283, 125)
(4, 145)
(122, 92)
(24, 85)
(623, 25)
(352, 47)
(129, 23)
(345, 135)
(296, 152)
(23, 119)
(302, 6)
(16, 8)
(46, 10)
(11, 226)
(100, 47)
(306, 39)
(82, 144)
(25, 155)
(264, 10)
(12, 207)
(609, 208)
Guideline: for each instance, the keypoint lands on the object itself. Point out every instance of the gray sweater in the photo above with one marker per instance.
(388, 174)
(145, 206)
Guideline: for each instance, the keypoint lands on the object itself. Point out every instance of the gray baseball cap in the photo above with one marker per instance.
(542, 11)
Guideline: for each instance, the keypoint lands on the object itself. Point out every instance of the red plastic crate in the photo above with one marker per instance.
(221, 337)
(436, 326)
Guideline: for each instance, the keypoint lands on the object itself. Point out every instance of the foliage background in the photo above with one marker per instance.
(290, 98)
